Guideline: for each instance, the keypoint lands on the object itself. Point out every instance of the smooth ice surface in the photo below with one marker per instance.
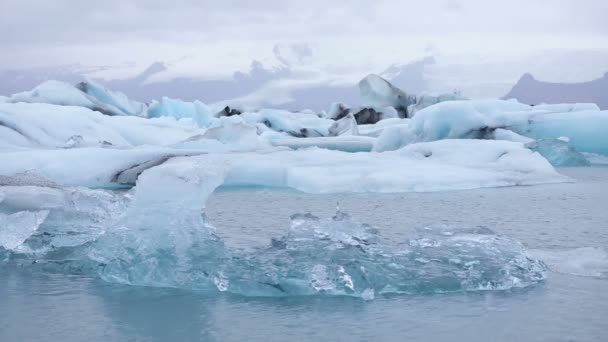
(18, 227)
(197, 111)
(86, 94)
(558, 152)
(435, 166)
(585, 129)
(89, 167)
(52, 126)
(466, 119)
(114, 99)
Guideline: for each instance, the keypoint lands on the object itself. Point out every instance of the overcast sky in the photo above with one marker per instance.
(217, 37)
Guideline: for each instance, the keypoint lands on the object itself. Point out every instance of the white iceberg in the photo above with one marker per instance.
(18, 227)
(50, 126)
(113, 98)
(585, 129)
(199, 112)
(87, 94)
(376, 91)
(435, 166)
(296, 124)
(88, 167)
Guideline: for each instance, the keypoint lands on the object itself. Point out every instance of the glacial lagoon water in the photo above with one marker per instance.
(564, 225)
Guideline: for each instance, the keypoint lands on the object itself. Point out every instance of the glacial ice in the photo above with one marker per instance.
(52, 126)
(58, 152)
(377, 91)
(585, 129)
(298, 124)
(164, 240)
(18, 227)
(178, 109)
(381, 94)
(113, 98)
(88, 167)
(434, 166)
(558, 152)
(86, 94)
(584, 261)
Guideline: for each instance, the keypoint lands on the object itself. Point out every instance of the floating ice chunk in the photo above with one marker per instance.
(584, 262)
(393, 138)
(295, 124)
(165, 240)
(586, 129)
(90, 167)
(76, 215)
(558, 152)
(112, 98)
(467, 119)
(44, 125)
(337, 110)
(344, 126)
(340, 257)
(18, 227)
(55, 92)
(435, 166)
(64, 94)
(377, 91)
(198, 111)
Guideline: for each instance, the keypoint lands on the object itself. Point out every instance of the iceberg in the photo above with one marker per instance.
(88, 167)
(379, 92)
(558, 152)
(467, 119)
(86, 94)
(164, 240)
(344, 126)
(115, 99)
(295, 124)
(435, 166)
(585, 129)
(18, 227)
(199, 112)
(51, 126)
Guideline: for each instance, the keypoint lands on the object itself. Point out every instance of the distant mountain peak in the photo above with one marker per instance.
(532, 91)
(527, 77)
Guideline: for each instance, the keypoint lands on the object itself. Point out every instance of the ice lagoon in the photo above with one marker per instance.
(426, 218)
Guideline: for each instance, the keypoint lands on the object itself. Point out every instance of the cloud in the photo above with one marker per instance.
(224, 35)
